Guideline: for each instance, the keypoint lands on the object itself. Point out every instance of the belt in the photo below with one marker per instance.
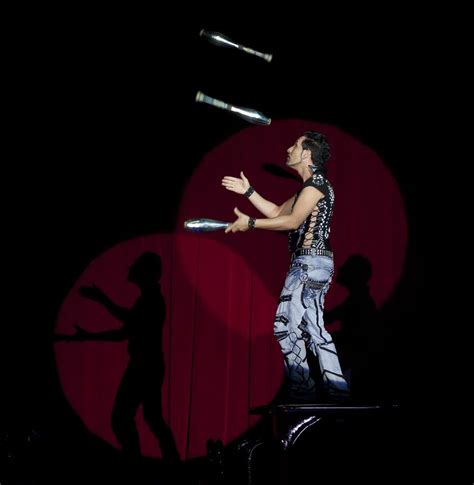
(311, 252)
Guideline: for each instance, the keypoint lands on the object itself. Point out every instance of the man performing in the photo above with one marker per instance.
(299, 323)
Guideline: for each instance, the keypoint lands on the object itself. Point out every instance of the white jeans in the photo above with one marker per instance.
(299, 326)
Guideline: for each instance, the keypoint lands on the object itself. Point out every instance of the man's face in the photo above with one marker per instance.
(295, 153)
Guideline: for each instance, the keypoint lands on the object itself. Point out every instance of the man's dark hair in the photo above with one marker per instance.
(317, 144)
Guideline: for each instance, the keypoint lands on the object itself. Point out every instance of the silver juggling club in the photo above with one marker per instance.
(221, 40)
(205, 225)
(248, 114)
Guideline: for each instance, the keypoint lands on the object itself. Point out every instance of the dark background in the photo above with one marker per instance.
(107, 133)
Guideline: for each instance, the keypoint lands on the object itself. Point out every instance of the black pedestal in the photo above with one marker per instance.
(324, 443)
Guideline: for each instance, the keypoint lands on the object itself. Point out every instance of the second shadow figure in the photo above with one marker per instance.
(357, 315)
(143, 378)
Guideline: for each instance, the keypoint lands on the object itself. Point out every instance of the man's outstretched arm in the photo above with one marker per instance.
(303, 207)
(267, 208)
